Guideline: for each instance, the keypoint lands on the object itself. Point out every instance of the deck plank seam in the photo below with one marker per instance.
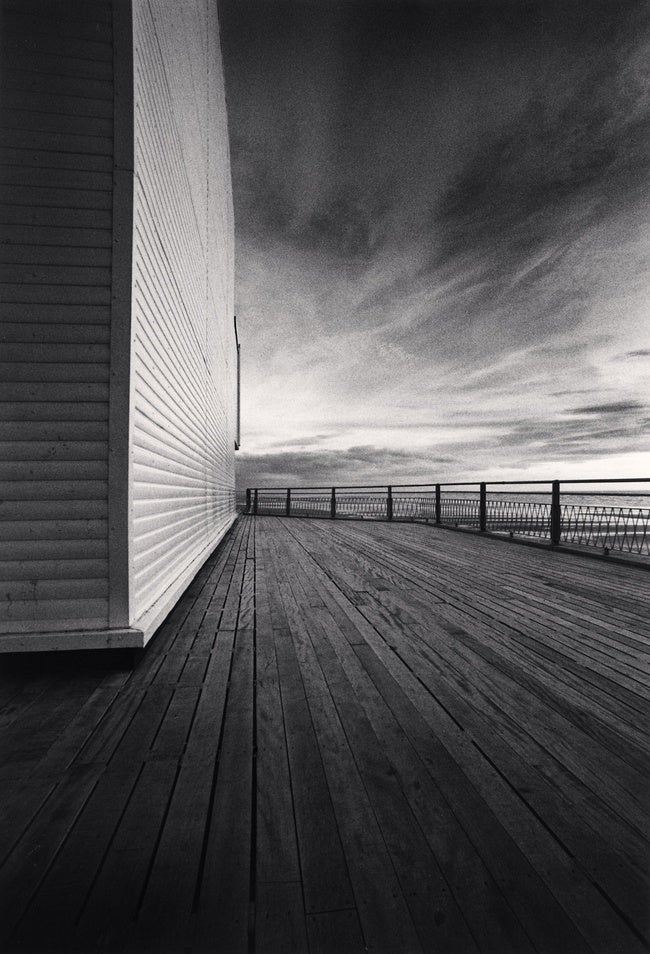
(484, 618)
(215, 771)
(451, 809)
(25, 909)
(272, 570)
(362, 778)
(152, 859)
(509, 719)
(359, 609)
(565, 849)
(362, 773)
(486, 654)
(415, 577)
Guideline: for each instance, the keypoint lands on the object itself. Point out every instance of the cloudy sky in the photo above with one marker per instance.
(443, 238)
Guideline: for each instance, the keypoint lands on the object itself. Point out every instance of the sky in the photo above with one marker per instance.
(442, 225)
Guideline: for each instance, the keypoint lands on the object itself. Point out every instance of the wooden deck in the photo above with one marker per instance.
(346, 737)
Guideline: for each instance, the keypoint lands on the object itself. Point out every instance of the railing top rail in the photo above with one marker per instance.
(463, 483)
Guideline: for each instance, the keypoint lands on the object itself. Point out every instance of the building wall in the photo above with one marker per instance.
(183, 362)
(55, 299)
(117, 346)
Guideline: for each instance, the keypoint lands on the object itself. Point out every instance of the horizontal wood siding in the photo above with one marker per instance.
(56, 161)
(183, 374)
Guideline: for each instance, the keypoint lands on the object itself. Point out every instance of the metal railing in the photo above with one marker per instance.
(611, 515)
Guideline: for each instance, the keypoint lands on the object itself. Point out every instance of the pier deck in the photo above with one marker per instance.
(346, 737)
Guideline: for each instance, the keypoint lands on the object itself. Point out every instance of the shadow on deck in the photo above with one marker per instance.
(344, 737)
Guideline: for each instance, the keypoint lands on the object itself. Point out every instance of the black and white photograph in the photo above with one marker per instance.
(324, 476)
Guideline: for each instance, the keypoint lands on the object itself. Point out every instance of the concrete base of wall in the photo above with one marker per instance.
(129, 638)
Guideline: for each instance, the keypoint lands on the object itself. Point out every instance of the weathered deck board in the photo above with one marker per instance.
(346, 736)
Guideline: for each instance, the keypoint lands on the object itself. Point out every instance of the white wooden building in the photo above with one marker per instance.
(118, 375)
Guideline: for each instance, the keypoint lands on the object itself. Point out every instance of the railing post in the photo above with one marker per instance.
(556, 514)
(389, 503)
(288, 507)
(333, 504)
(482, 508)
(255, 503)
(248, 500)
(438, 504)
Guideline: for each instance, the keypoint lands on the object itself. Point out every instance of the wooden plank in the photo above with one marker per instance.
(344, 757)
(277, 853)
(24, 592)
(223, 739)
(74, 254)
(60, 313)
(62, 10)
(49, 922)
(27, 739)
(538, 756)
(54, 549)
(185, 635)
(396, 628)
(47, 335)
(165, 918)
(141, 731)
(55, 19)
(21, 688)
(65, 371)
(496, 795)
(456, 592)
(338, 931)
(59, 490)
(73, 737)
(39, 530)
(113, 900)
(280, 921)
(110, 730)
(463, 869)
(173, 733)
(29, 510)
(64, 217)
(382, 908)
(29, 117)
(194, 670)
(22, 800)
(588, 707)
(54, 66)
(326, 882)
(65, 353)
(435, 913)
(38, 847)
(51, 244)
(66, 411)
(58, 103)
(551, 728)
(224, 893)
(94, 393)
(87, 87)
(203, 743)
(55, 141)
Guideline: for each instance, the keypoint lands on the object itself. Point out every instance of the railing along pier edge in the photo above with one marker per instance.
(474, 507)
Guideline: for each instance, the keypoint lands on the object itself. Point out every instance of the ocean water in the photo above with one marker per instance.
(587, 499)
(626, 500)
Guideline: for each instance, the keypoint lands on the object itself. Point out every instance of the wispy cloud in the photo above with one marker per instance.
(623, 408)
(356, 465)
(443, 230)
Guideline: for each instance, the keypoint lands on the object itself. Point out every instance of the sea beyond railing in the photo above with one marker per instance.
(612, 515)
